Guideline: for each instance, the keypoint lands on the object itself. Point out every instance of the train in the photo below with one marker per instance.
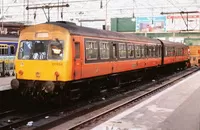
(8, 47)
(194, 55)
(62, 58)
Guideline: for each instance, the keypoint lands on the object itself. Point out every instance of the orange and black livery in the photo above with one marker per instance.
(61, 52)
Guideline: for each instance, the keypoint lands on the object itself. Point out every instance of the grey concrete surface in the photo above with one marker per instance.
(167, 110)
(5, 83)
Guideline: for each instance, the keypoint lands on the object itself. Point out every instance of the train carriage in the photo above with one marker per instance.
(53, 54)
(8, 47)
(195, 55)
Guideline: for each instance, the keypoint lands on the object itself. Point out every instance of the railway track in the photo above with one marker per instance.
(51, 118)
(99, 116)
(6, 112)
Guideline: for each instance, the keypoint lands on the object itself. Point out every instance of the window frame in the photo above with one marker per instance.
(132, 50)
(106, 49)
(123, 51)
(91, 48)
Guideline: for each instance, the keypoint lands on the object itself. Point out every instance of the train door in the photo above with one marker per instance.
(114, 56)
(77, 61)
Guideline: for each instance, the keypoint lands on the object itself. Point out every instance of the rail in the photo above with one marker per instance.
(136, 99)
(61, 115)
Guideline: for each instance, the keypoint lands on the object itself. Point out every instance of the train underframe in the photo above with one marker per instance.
(48, 91)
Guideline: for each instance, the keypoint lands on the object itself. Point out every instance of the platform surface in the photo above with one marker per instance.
(5, 83)
(176, 108)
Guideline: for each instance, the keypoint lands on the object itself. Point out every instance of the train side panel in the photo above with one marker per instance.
(194, 55)
(82, 68)
(175, 53)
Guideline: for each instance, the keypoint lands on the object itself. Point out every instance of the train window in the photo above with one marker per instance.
(131, 51)
(12, 50)
(150, 51)
(25, 50)
(157, 53)
(3, 49)
(41, 49)
(173, 51)
(77, 50)
(169, 51)
(166, 52)
(55, 50)
(137, 51)
(104, 50)
(154, 51)
(142, 51)
(122, 50)
(182, 51)
(145, 51)
(179, 52)
(91, 50)
(114, 50)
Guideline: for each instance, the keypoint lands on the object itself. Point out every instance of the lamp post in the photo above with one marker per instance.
(2, 16)
(106, 15)
(106, 11)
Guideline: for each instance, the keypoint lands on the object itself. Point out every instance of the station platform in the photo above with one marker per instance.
(5, 83)
(176, 108)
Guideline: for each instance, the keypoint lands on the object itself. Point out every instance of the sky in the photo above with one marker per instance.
(15, 10)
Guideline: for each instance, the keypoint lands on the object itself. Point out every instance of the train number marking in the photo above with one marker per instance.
(57, 64)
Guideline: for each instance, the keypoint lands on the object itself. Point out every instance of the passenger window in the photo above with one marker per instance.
(173, 51)
(12, 50)
(182, 51)
(176, 52)
(154, 51)
(142, 51)
(122, 50)
(104, 50)
(157, 51)
(166, 53)
(145, 51)
(137, 51)
(91, 50)
(130, 51)
(3, 49)
(114, 51)
(150, 51)
(77, 50)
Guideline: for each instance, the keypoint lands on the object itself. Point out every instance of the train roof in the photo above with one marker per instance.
(8, 38)
(172, 44)
(85, 31)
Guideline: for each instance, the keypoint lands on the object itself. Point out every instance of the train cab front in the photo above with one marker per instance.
(42, 59)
